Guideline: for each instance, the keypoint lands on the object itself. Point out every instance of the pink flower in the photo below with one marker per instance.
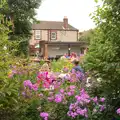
(61, 90)
(69, 94)
(35, 87)
(118, 111)
(83, 97)
(78, 97)
(95, 100)
(58, 98)
(44, 115)
(102, 107)
(72, 87)
(102, 99)
(51, 98)
(27, 83)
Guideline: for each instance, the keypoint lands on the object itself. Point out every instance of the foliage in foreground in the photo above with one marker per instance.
(103, 58)
(8, 88)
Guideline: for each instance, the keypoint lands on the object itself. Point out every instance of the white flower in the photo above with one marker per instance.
(62, 75)
(51, 87)
(99, 79)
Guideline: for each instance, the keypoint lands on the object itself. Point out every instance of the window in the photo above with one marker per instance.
(53, 36)
(37, 34)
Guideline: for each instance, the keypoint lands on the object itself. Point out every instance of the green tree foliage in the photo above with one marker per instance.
(103, 57)
(86, 36)
(22, 14)
(8, 88)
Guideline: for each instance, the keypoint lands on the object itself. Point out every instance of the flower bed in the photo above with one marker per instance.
(59, 94)
(55, 95)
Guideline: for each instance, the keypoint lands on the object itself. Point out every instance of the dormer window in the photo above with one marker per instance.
(53, 35)
(37, 34)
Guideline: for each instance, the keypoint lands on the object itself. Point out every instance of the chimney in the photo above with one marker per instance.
(65, 21)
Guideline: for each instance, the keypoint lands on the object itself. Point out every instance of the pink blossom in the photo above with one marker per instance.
(69, 94)
(72, 87)
(102, 107)
(51, 98)
(95, 100)
(61, 90)
(118, 111)
(27, 83)
(44, 115)
(58, 98)
(102, 99)
(35, 87)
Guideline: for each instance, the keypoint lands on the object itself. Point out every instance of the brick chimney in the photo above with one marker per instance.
(65, 22)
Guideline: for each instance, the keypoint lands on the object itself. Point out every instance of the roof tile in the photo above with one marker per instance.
(52, 25)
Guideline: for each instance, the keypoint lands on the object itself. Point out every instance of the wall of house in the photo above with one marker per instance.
(65, 36)
(44, 36)
(61, 50)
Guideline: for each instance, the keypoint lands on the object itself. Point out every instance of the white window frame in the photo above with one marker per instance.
(53, 37)
(37, 34)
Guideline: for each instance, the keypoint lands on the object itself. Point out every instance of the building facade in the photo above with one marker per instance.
(55, 34)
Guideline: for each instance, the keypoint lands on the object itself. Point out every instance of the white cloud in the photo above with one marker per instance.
(77, 12)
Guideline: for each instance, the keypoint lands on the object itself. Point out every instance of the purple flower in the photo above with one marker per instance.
(58, 98)
(27, 83)
(44, 115)
(40, 95)
(83, 98)
(69, 94)
(72, 87)
(14, 71)
(35, 87)
(102, 107)
(61, 90)
(118, 111)
(95, 100)
(51, 98)
(82, 112)
(102, 99)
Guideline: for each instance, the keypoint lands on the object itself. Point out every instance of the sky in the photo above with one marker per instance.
(77, 12)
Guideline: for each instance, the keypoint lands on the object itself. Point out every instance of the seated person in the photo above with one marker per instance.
(77, 67)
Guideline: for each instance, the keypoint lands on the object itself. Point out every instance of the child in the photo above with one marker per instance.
(77, 67)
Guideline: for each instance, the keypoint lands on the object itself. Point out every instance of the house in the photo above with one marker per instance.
(60, 38)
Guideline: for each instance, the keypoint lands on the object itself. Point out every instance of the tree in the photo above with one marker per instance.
(86, 36)
(8, 88)
(103, 57)
(22, 14)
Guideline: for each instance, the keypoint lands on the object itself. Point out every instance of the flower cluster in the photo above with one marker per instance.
(118, 111)
(46, 79)
(64, 91)
(28, 84)
(44, 115)
(80, 107)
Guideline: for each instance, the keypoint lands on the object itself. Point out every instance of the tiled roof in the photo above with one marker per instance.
(52, 25)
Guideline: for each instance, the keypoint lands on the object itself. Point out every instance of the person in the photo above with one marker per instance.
(77, 67)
